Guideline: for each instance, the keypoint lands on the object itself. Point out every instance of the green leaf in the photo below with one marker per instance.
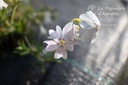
(25, 53)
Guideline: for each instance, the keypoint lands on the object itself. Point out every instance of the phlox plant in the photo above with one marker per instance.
(17, 20)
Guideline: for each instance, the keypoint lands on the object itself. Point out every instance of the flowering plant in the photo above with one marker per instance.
(66, 39)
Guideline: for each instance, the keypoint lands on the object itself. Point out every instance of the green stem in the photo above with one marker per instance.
(14, 11)
(9, 24)
(26, 39)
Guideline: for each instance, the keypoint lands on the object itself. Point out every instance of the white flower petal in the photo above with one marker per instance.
(60, 52)
(67, 28)
(52, 45)
(53, 34)
(69, 35)
(84, 17)
(59, 32)
(68, 32)
(89, 19)
(88, 35)
(93, 17)
(86, 25)
(3, 4)
(69, 46)
(94, 37)
(85, 21)
(50, 42)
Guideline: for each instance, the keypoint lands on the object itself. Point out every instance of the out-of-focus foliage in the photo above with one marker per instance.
(17, 24)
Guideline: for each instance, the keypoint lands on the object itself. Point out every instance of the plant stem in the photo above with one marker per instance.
(26, 39)
(14, 11)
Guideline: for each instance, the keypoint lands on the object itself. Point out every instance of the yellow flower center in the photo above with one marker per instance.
(62, 42)
(77, 28)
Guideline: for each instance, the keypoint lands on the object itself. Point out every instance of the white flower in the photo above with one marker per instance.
(62, 40)
(2, 4)
(89, 19)
(91, 23)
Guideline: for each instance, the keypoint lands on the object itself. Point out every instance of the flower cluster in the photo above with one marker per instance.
(65, 39)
